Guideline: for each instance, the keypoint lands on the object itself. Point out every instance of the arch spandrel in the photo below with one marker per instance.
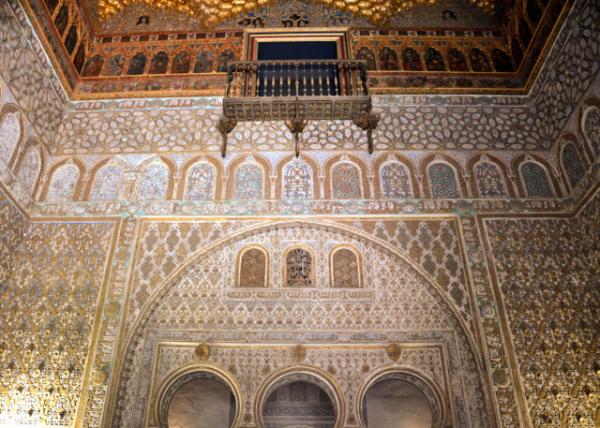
(198, 297)
(419, 241)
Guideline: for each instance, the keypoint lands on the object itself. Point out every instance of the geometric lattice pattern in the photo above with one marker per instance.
(47, 321)
(395, 296)
(552, 303)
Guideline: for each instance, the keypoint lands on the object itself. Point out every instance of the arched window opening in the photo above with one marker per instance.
(345, 268)
(411, 60)
(395, 181)
(204, 62)
(456, 60)
(154, 182)
(159, 63)
(367, 55)
(200, 183)
(502, 61)
(181, 63)
(535, 180)
(252, 268)
(479, 61)
(396, 403)
(388, 59)
(137, 64)
(442, 180)
(490, 182)
(30, 168)
(299, 268)
(249, 181)
(93, 66)
(297, 180)
(225, 58)
(107, 183)
(591, 129)
(299, 404)
(346, 181)
(200, 400)
(434, 60)
(114, 67)
(62, 184)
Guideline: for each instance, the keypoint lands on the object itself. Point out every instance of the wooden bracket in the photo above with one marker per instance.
(368, 122)
(225, 126)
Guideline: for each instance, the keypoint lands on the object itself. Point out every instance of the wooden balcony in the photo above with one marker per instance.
(295, 92)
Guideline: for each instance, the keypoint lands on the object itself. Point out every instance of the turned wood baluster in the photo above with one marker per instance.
(272, 79)
(289, 79)
(304, 89)
(336, 81)
(327, 80)
(363, 79)
(320, 77)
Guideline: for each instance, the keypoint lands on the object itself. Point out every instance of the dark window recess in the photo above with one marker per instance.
(137, 64)
(62, 19)
(517, 52)
(159, 63)
(71, 40)
(93, 66)
(51, 4)
(79, 58)
(296, 78)
(533, 11)
(524, 32)
(502, 62)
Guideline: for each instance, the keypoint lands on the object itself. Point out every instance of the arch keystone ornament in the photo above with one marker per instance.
(202, 352)
(299, 353)
(99, 376)
(394, 351)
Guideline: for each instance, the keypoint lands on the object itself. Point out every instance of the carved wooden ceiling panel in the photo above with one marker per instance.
(125, 48)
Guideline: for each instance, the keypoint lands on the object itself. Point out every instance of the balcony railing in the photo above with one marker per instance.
(295, 92)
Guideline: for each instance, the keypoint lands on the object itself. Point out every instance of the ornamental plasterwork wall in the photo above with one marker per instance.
(26, 69)
(551, 298)
(12, 228)
(18, 137)
(96, 277)
(49, 320)
(393, 297)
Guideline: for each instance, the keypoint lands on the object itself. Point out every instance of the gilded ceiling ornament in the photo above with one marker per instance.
(212, 12)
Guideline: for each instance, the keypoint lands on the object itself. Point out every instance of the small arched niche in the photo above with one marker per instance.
(299, 267)
(252, 269)
(345, 267)
(299, 400)
(397, 399)
(200, 399)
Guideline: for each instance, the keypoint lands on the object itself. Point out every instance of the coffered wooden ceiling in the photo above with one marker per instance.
(133, 48)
